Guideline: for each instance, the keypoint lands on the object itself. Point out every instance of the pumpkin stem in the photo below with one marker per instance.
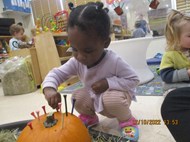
(62, 120)
(50, 120)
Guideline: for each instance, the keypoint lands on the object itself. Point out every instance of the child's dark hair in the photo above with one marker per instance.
(91, 17)
(14, 28)
(20, 23)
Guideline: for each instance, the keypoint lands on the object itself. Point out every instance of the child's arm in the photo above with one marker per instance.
(52, 97)
(168, 72)
(58, 75)
(171, 75)
(54, 78)
(125, 78)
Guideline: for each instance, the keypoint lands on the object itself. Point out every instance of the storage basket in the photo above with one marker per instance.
(62, 51)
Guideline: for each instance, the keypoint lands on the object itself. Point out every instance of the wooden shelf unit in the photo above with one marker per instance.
(6, 38)
(63, 55)
(60, 34)
(48, 53)
(118, 31)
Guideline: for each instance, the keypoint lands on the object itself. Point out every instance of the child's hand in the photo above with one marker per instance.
(188, 72)
(52, 96)
(100, 86)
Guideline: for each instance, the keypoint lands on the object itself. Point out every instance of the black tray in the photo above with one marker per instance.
(15, 125)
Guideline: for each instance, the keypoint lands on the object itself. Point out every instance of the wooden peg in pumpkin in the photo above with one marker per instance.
(33, 114)
(44, 109)
(62, 120)
(30, 125)
(73, 102)
(38, 114)
(65, 98)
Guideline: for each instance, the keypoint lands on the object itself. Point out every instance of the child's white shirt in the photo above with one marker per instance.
(14, 43)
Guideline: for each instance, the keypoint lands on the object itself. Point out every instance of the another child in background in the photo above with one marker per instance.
(20, 24)
(17, 32)
(138, 32)
(33, 33)
(175, 64)
(175, 67)
(143, 24)
(109, 82)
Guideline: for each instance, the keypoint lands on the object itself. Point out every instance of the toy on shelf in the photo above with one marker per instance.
(54, 127)
(61, 18)
(46, 24)
(38, 26)
(53, 26)
(62, 47)
(53, 23)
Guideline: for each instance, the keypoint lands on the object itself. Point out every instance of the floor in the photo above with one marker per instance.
(17, 108)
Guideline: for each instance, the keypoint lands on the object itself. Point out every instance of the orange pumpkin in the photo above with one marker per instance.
(71, 130)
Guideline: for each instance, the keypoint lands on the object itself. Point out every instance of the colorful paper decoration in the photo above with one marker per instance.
(154, 4)
(109, 1)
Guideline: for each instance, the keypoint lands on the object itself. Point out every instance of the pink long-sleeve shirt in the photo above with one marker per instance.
(119, 74)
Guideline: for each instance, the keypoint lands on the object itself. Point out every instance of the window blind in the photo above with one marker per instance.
(183, 5)
(77, 2)
(42, 8)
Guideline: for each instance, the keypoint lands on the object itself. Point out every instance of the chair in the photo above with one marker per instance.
(157, 45)
(134, 52)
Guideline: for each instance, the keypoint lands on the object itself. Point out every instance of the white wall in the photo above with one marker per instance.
(27, 21)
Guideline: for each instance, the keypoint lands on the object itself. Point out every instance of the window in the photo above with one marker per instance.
(77, 2)
(43, 8)
(183, 5)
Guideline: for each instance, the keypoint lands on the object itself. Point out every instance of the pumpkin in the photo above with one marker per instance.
(71, 130)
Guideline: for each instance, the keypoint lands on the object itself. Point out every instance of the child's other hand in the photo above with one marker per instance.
(52, 96)
(100, 86)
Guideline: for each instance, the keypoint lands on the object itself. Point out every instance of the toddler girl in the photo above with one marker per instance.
(109, 82)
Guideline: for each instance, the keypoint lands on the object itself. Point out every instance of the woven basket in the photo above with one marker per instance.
(62, 51)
